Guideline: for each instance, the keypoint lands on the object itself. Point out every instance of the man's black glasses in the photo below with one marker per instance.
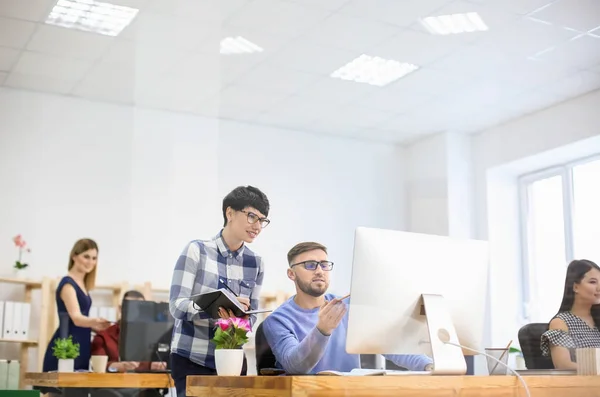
(312, 265)
(253, 218)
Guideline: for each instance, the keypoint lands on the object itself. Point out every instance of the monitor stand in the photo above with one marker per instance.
(447, 359)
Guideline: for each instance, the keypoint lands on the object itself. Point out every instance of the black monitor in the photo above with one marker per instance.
(146, 329)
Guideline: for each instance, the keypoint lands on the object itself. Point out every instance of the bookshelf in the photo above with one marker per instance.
(48, 320)
(45, 287)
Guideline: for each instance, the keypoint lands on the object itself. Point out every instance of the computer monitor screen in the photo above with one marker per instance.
(146, 329)
(392, 269)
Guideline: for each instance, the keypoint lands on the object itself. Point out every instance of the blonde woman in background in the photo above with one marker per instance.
(73, 303)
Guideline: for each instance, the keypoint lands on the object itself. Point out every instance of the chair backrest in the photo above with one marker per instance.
(264, 354)
(530, 338)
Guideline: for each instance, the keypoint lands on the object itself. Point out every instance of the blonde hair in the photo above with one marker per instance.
(80, 247)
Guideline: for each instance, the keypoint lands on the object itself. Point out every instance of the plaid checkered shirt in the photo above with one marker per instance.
(202, 267)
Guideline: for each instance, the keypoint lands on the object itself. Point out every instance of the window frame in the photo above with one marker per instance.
(565, 171)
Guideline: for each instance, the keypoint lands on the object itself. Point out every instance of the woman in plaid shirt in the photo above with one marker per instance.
(207, 265)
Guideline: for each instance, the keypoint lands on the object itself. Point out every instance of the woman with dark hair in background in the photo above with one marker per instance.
(577, 323)
(73, 303)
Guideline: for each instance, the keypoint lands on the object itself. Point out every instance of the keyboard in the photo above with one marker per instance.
(406, 373)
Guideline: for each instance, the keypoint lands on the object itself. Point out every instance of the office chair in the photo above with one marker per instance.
(264, 354)
(530, 338)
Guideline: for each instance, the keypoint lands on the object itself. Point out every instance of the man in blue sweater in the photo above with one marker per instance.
(307, 333)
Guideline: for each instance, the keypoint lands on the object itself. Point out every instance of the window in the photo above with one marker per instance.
(560, 221)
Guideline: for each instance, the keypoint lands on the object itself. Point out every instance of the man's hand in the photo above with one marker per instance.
(330, 315)
(124, 366)
(158, 366)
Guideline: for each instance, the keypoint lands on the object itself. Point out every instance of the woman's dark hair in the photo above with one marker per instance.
(134, 295)
(245, 196)
(575, 273)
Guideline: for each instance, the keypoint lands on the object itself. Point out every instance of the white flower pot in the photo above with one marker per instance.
(66, 365)
(229, 361)
(21, 274)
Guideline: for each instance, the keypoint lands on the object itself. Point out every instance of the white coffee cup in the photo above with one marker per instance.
(99, 364)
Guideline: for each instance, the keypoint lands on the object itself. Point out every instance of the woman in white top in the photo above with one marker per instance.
(578, 320)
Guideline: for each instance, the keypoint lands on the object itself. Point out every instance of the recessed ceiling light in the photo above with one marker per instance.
(454, 23)
(238, 45)
(373, 70)
(91, 16)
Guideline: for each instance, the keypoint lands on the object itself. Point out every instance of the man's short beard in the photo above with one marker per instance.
(309, 290)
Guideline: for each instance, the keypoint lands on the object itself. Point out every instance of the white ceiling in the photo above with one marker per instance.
(536, 53)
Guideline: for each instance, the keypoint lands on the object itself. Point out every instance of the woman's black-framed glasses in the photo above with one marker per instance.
(312, 265)
(253, 218)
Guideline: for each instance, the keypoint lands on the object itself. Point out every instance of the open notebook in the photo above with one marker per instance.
(210, 302)
(373, 372)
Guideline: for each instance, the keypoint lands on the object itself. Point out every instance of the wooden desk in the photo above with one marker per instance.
(93, 380)
(405, 386)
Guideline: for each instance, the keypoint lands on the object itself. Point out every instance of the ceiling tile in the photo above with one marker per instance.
(525, 37)
(39, 83)
(395, 137)
(475, 61)
(244, 98)
(352, 117)
(30, 10)
(582, 15)
(169, 31)
(518, 7)
(580, 53)
(312, 58)
(528, 102)
(109, 82)
(296, 111)
(529, 73)
(574, 85)
(197, 10)
(393, 100)
(431, 82)
(52, 67)
(330, 5)
(406, 125)
(340, 31)
(146, 59)
(397, 12)
(269, 78)
(8, 57)
(71, 43)
(494, 18)
(417, 47)
(15, 33)
(336, 91)
(277, 16)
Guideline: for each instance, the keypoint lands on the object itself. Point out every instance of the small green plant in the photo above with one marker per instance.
(514, 350)
(65, 349)
(231, 333)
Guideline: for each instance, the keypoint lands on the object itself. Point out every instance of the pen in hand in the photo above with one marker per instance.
(226, 286)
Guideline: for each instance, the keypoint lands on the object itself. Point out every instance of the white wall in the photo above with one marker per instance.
(549, 137)
(143, 183)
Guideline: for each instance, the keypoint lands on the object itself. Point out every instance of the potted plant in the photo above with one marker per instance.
(66, 351)
(519, 361)
(230, 336)
(20, 266)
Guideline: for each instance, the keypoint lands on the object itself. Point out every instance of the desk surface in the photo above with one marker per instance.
(413, 386)
(93, 380)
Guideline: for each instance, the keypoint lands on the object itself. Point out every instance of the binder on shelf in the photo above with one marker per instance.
(25, 317)
(3, 374)
(9, 309)
(13, 375)
(16, 320)
(1, 319)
